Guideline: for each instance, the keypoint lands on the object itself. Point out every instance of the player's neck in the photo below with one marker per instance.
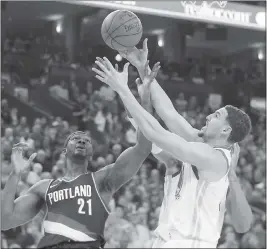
(219, 143)
(74, 169)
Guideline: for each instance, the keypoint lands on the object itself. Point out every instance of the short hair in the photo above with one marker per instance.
(240, 123)
(73, 134)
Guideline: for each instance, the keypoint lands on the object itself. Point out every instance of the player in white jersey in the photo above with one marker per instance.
(236, 199)
(202, 192)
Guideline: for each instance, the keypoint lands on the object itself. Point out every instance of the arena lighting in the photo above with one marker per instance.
(59, 28)
(260, 55)
(118, 57)
(160, 42)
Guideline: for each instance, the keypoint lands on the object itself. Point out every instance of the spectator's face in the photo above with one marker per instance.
(128, 195)
(8, 132)
(36, 129)
(155, 175)
(79, 147)
(247, 172)
(216, 126)
(37, 168)
(43, 121)
(46, 175)
(116, 149)
(109, 159)
(242, 162)
(100, 162)
(181, 96)
(40, 156)
(119, 212)
(61, 164)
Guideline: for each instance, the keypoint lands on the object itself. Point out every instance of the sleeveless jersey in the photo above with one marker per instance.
(192, 210)
(75, 211)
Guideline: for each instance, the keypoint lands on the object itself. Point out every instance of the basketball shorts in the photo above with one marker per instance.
(75, 244)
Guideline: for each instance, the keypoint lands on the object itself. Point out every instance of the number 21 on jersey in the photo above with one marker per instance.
(85, 207)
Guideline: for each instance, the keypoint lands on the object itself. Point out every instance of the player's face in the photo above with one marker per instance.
(80, 146)
(216, 125)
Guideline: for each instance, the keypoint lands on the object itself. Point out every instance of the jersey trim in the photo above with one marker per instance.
(227, 160)
(63, 230)
(46, 207)
(65, 180)
(103, 203)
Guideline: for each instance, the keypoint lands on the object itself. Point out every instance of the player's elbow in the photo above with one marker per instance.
(244, 223)
(6, 223)
(244, 227)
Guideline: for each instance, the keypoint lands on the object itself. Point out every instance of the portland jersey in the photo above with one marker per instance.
(75, 211)
(192, 210)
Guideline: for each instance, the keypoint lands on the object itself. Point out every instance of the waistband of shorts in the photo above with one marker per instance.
(76, 244)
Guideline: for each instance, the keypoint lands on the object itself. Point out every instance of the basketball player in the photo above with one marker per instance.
(76, 204)
(237, 204)
(197, 210)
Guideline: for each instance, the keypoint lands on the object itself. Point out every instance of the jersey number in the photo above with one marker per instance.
(81, 203)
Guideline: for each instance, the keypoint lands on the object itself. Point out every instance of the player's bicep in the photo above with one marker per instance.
(26, 207)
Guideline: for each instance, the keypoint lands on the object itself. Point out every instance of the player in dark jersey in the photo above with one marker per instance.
(76, 205)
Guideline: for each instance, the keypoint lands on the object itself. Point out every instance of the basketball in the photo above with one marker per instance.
(121, 29)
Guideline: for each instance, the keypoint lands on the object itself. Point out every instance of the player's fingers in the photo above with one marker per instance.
(126, 66)
(138, 82)
(145, 44)
(17, 150)
(123, 54)
(117, 67)
(102, 74)
(155, 69)
(108, 63)
(103, 62)
(101, 79)
(102, 66)
(32, 158)
(21, 145)
(147, 68)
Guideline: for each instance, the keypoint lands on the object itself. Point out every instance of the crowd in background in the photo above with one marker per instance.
(135, 208)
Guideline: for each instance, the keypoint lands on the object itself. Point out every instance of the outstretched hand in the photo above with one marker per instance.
(144, 89)
(20, 163)
(137, 57)
(111, 76)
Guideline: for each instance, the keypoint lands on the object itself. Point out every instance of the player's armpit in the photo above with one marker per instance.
(201, 155)
(26, 207)
(125, 167)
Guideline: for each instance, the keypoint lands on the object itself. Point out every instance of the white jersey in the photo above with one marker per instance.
(192, 211)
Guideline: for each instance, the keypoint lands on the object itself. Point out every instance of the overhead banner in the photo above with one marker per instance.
(215, 12)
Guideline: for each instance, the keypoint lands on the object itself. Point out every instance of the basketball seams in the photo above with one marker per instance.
(109, 34)
(107, 30)
(121, 44)
(127, 35)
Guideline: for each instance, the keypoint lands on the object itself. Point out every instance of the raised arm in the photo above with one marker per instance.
(17, 212)
(201, 155)
(160, 100)
(236, 203)
(130, 161)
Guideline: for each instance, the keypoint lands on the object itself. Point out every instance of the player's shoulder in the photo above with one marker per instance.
(102, 173)
(40, 188)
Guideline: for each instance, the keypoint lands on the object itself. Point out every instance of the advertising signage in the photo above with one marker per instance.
(215, 12)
